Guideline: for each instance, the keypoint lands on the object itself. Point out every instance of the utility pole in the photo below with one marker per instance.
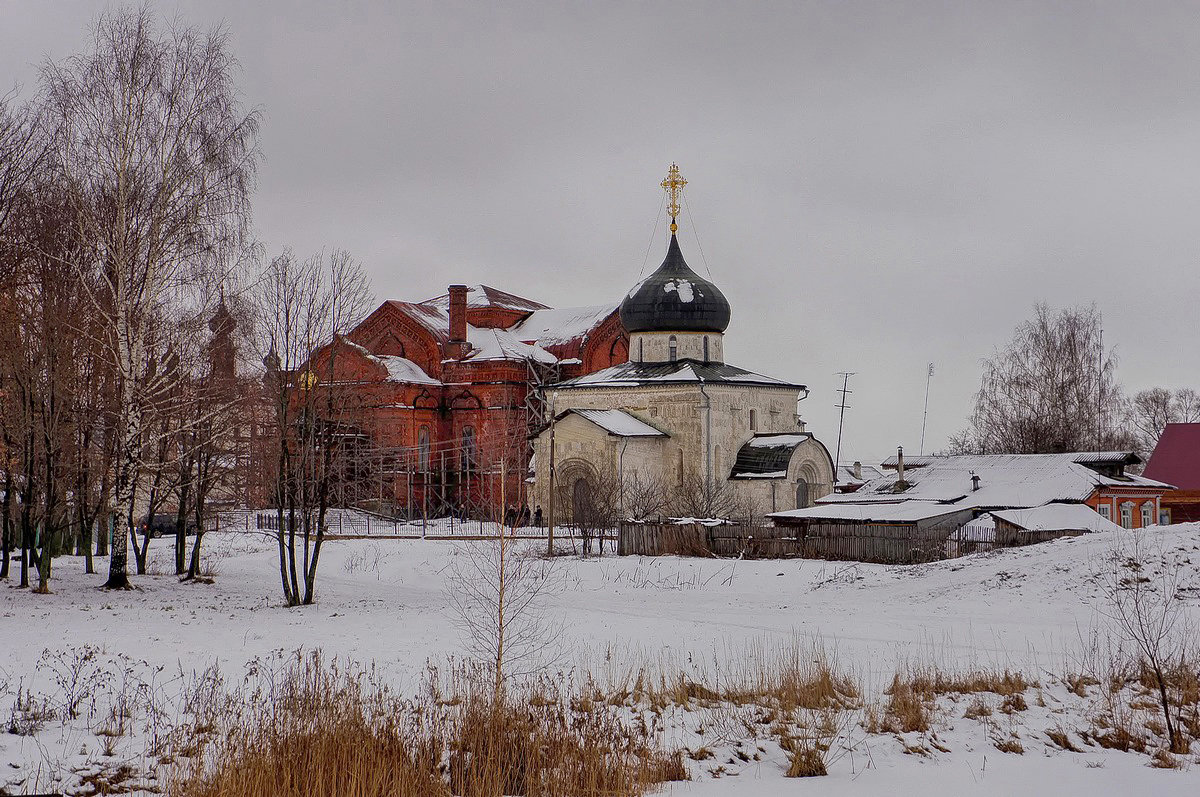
(845, 390)
(550, 527)
(925, 417)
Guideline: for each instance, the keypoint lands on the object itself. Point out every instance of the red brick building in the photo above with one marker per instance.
(447, 393)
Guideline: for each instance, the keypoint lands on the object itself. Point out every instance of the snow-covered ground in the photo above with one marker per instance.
(383, 602)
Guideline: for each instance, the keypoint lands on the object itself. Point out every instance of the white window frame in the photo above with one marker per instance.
(1147, 514)
(1127, 514)
(1105, 511)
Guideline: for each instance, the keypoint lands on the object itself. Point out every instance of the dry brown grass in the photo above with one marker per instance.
(915, 688)
(321, 731)
(1010, 745)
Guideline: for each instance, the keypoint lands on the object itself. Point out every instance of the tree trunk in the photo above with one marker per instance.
(44, 559)
(6, 525)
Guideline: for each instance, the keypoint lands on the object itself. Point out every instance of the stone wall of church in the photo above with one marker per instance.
(655, 347)
(732, 413)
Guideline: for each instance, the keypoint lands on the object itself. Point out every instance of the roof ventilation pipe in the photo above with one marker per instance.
(974, 482)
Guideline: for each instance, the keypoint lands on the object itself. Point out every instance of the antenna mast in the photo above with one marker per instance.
(925, 417)
(845, 390)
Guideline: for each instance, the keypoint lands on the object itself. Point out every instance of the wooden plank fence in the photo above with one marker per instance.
(881, 543)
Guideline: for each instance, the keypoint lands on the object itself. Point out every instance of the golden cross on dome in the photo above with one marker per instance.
(673, 185)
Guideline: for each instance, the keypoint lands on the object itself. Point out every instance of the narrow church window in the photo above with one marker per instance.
(641, 350)
(801, 494)
(706, 348)
(468, 447)
(753, 421)
(681, 466)
(672, 348)
(423, 449)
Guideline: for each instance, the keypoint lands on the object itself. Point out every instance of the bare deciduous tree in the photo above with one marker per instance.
(498, 590)
(1151, 410)
(1146, 604)
(157, 157)
(1047, 391)
(303, 307)
(698, 497)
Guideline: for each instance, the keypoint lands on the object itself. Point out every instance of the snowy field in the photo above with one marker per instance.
(384, 603)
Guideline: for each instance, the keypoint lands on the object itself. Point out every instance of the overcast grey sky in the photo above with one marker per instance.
(876, 186)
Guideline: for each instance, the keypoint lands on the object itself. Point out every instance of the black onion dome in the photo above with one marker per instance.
(674, 299)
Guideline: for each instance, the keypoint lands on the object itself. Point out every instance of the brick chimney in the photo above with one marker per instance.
(458, 314)
(901, 485)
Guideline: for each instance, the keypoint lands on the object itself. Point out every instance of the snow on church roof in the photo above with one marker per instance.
(619, 423)
(401, 369)
(552, 327)
(500, 344)
(630, 374)
(487, 296)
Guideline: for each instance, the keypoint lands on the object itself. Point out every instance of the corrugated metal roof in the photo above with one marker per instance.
(766, 456)
(1176, 458)
(1057, 517)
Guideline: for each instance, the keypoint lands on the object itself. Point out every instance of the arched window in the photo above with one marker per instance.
(423, 449)
(753, 421)
(672, 348)
(468, 447)
(1147, 514)
(801, 494)
(706, 348)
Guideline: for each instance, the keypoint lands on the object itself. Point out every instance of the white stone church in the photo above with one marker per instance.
(677, 413)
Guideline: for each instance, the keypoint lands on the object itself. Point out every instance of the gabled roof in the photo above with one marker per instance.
(487, 296)
(1005, 481)
(1176, 458)
(766, 456)
(845, 473)
(618, 422)
(554, 327)
(629, 374)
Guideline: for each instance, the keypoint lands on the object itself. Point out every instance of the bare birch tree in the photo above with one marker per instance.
(1051, 390)
(158, 158)
(498, 590)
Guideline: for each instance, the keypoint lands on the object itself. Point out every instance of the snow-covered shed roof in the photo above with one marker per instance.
(896, 512)
(766, 456)
(556, 326)
(1057, 517)
(619, 423)
(630, 374)
(1005, 481)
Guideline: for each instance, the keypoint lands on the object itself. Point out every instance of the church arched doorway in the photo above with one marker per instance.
(802, 494)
